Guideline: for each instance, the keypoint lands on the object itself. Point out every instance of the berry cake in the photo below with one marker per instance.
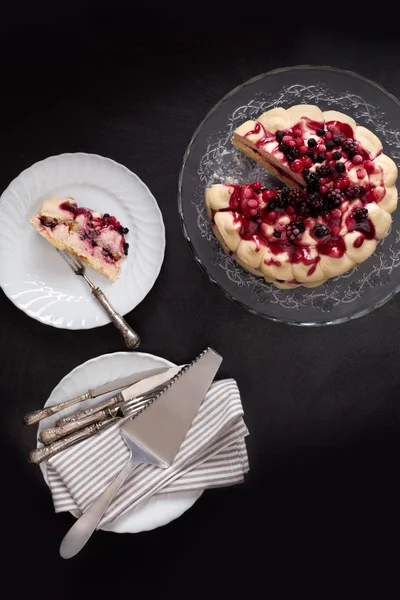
(95, 238)
(331, 217)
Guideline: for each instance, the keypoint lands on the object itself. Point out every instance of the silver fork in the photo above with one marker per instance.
(131, 407)
(131, 338)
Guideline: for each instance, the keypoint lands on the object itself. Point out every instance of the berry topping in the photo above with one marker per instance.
(126, 248)
(292, 153)
(295, 196)
(315, 204)
(329, 144)
(320, 157)
(256, 186)
(297, 165)
(321, 131)
(350, 146)
(336, 140)
(294, 230)
(369, 166)
(357, 159)
(360, 214)
(334, 198)
(306, 172)
(280, 135)
(336, 155)
(106, 216)
(322, 148)
(340, 167)
(307, 162)
(302, 209)
(325, 171)
(311, 143)
(353, 192)
(277, 233)
(321, 231)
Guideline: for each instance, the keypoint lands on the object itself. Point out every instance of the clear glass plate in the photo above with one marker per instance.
(211, 158)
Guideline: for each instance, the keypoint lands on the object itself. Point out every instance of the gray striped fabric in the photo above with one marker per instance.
(213, 454)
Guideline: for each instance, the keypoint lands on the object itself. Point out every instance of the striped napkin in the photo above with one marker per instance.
(213, 454)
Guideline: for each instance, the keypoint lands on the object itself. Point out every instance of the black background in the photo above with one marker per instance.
(319, 508)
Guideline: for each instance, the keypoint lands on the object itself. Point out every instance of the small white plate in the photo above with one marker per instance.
(157, 510)
(36, 278)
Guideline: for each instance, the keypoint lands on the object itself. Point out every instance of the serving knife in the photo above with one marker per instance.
(37, 415)
(154, 435)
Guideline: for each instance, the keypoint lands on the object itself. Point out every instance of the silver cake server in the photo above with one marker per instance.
(154, 435)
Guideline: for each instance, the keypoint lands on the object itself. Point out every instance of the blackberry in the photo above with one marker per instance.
(277, 233)
(352, 192)
(336, 140)
(311, 143)
(340, 168)
(302, 209)
(123, 230)
(362, 190)
(106, 216)
(271, 206)
(350, 147)
(360, 214)
(321, 231)
(306, 172)
(321, 131)
(279, 199)
(325, 171)
(320, 157)
(315, 204)
(280, 135)
(294, 197)
(337, 155)
(292, 153)
(126, 248)
(310, 154)
(294, 230)
(329, 144)
(334, 198)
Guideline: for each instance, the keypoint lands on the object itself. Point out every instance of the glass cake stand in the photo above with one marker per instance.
(211, 158)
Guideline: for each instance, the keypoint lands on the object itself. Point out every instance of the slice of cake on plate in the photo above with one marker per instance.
(98, 239)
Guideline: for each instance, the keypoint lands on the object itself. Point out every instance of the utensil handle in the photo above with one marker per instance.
(81, 531)
(131, 338)
(82, 414)
(51, 435)
(40, 454)
(37, 415)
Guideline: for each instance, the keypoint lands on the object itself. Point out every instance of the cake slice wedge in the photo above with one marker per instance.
(98, 239)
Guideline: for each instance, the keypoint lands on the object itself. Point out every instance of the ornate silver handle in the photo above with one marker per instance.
(48, 436)
(81, 531)
(37, 415)
(131, 338)
(40, 454)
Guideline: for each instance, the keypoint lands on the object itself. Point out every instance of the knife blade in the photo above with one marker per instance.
(37, 415)
(154, 435)
(127, 394)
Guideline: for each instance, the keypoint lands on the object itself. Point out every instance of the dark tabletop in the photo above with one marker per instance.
(321, 500)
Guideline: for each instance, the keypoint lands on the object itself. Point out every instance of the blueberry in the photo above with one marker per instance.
(329, 144)
(321, 131)
(337, 155)
(340, 168)
(336, 140)
(321, 157)
(106, 216)
(311, 143)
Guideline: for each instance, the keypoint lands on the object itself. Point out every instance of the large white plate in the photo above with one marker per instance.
(157, 510)
(35, 277)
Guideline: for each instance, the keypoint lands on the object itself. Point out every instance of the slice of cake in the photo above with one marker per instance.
(97, 239)
(343, 193)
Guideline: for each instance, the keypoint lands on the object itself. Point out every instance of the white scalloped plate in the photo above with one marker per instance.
(35, 277)
(157, 510)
